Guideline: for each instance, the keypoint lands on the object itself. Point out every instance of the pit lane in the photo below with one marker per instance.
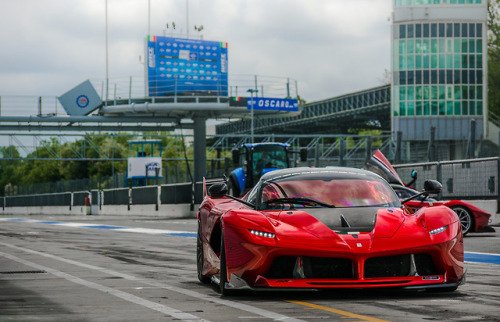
(94, 268)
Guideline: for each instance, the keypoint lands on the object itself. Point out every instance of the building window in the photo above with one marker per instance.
(438, 68)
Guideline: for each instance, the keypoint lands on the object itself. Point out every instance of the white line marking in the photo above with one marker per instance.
(123, 295)
(203, 297)
(482, 253)
(151, 231)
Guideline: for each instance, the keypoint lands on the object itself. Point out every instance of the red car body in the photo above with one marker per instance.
(471, 217)
(356, 242)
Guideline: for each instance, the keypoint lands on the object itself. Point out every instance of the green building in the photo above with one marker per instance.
(439, 64)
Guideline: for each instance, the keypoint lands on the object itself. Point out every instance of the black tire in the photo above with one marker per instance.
(232, 188)
(223, 268)
(200, 256)
(466, 218)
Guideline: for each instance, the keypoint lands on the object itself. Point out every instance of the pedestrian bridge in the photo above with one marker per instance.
(365, 109)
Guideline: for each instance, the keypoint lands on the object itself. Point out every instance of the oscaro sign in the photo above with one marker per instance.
(275, 104)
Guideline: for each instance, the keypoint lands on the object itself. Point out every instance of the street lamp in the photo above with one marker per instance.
(251, 91)
(107, 65)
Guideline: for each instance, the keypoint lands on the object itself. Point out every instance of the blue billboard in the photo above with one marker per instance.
(178, 66)
(273, 104)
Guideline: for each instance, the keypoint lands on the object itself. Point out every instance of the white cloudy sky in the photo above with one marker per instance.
(330, 47)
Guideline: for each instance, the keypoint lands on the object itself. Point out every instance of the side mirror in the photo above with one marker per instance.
(303, 155)
(432, 187)
(218, 190)
(236, 157)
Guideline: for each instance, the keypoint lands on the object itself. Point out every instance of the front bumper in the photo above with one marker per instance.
(311, 264)
(413, 283)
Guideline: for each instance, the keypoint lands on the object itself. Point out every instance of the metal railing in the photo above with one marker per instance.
(126, 90)
(462, 179)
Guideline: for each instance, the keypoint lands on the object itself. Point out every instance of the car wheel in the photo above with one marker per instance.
(223, 268)
(232, 188)
(466, 219)
(200, 258)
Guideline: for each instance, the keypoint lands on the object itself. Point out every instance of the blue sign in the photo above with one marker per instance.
(273, 104)
(81, 100)
(186, 66)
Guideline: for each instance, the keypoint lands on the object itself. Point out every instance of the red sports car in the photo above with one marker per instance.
(471, 217)
(326, 228)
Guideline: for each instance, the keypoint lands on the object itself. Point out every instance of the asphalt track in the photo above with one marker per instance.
(94, 268)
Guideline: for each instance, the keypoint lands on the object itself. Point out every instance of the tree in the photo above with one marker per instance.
(494, 56)
(8, 169)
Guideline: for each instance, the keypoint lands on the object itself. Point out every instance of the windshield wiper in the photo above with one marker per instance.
(301, 200)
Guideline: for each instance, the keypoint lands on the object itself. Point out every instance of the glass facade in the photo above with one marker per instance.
(438, 66)
(399, 3)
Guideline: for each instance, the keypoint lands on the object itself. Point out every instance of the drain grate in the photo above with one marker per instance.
(24, 272)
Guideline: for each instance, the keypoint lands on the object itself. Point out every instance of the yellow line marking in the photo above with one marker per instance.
(344, 314)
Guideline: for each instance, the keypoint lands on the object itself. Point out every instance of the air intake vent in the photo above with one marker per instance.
(310, 267)
(401, 265)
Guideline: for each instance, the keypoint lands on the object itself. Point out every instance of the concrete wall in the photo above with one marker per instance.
(166, 211)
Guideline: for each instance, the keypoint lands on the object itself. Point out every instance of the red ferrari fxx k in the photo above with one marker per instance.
(471, 217)
(326, 228)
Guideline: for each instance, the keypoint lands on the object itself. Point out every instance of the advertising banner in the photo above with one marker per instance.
(178, 66)
(273, 104)
(137, 167)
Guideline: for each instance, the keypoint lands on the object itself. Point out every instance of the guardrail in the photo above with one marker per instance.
(96, 201)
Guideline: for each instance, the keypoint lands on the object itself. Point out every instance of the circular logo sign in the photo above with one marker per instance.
(82, 101)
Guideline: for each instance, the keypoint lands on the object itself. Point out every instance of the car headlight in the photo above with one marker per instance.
(262, 233)
(438, 230)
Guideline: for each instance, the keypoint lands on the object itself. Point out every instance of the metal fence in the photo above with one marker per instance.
(171, 175)
(53, 199)
(149, 195)
(461, 179)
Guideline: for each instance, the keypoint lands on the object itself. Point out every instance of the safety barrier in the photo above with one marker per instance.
(176, 198)
(476, 180)
(55, 199)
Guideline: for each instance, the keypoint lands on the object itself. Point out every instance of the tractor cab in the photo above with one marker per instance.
(253, 161)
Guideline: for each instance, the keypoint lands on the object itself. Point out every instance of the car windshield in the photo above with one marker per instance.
(327, 192)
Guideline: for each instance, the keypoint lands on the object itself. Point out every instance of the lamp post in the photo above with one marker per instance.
(107, 67)
(251, 91)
